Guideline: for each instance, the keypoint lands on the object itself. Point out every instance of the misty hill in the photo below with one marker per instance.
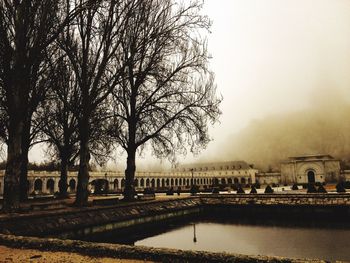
(325, 128)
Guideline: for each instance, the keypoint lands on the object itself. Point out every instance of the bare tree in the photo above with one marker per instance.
(92, 44)
(27, 29)
(167, 95)
(58, 125)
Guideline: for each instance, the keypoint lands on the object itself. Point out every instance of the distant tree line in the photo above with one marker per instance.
(87, 76)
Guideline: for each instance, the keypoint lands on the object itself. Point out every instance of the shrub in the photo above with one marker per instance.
(311, 188)
(268, 190)
(240, 190)
(148, 191)
(235, 187)
(215, 190)
(253, 190)
(194, 189)
(294, 187)
(274, 185)
(340, 188)
(222, 187)
(178, 191)
(347, 185)
(170, 191)
(321, 189)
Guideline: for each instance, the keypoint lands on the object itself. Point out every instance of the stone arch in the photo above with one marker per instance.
(142, 182)
(38, 185)
(243, 181)
(176, 182)
(136, 182)
(100, 186)
(116, 184)
(122, 183)
(235, 180)
(147, 182)
(72, 185)
(163, 182)
(172, 182)
(215, 181)
(223, 181)
(229, 180)
(50, 185)
(310, 166)
(158, 182)
(311, 176)
(167, 181)
(153, 183)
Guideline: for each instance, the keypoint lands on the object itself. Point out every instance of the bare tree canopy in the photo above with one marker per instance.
(167, 94)
(58, 123)
(27, 29)
(92, 43)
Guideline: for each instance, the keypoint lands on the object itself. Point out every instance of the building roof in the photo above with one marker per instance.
(311, 156)
(235, 165)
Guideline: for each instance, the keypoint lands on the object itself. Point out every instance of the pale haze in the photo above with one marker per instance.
(282, 67)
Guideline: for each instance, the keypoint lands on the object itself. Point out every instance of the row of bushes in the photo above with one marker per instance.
(311, 188)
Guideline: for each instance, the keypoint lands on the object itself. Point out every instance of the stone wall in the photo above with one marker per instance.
(93, 220)
(77, 222)
(137, 252)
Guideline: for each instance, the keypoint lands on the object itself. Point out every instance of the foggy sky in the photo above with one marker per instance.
(277, 63)
(275, 60)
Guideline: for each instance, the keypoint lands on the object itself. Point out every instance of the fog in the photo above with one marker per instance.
(322, 128)
(283, 68)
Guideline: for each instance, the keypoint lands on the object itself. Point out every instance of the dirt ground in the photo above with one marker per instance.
(8, 255)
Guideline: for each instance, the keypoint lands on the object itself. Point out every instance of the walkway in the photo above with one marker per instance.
(8, 255)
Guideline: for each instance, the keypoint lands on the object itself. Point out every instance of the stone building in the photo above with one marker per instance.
(310, 169)
(232, 172)
(202, 175)
(268, 178)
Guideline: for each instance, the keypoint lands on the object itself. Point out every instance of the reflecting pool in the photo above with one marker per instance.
(298, 240)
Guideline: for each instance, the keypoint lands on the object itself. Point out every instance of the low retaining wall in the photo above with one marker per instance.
(136, 252)
(278, 199)
(85, 221)
(93, 220)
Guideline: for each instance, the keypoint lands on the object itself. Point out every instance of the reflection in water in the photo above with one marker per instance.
(194, 233)
(298, 237)
(325, 243)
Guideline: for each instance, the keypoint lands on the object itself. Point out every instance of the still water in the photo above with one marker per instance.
(324, 243)
(300, 240)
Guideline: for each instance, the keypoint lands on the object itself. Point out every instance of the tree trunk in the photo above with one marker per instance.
(63, 185)
(13, 165)
(83, 174)
(129, 190)
(24, 184)
(24, 164)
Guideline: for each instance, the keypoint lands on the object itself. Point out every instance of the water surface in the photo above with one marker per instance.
(301, 242)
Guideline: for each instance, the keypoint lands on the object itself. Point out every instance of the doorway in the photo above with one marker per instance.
(311, 176)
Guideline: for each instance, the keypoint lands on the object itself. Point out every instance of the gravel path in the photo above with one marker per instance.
(8, 255)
